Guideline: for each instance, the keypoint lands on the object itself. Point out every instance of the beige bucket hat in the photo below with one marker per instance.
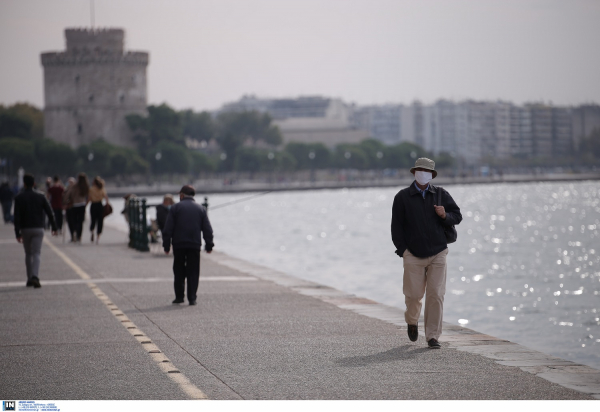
(425, 163)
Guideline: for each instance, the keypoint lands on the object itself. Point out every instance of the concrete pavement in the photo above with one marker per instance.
(103, 327)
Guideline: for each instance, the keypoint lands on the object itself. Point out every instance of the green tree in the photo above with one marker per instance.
(19, 153)
(375, 151)
(349, 156)
(309, 155)
(403, 155)
(201, 162)
(198, 126)
(236, 128)
(15, 125)
(55, 157)
(169, 158)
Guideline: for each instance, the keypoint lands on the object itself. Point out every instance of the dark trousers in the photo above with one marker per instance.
(6, 206)
(70, 221)
(97, 214)
(78, 218)
(186, 264)
(58, 217)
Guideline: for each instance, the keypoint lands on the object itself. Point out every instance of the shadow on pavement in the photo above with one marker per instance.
(392, 355)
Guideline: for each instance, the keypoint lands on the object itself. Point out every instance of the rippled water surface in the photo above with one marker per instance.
(526, 266)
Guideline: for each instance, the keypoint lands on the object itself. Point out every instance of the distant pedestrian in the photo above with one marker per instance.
(68, 206)
(97, 193)
(162, 211)
(185, 221)
(418, 223)
(77, 196)
(30, 206)
(6, 198)
(56, 192)
(128, 198)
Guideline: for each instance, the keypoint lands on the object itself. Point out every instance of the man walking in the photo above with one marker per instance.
(184, 223)
(418, 223)
(30, 206)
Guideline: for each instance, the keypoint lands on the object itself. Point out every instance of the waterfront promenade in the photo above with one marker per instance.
(103, 327)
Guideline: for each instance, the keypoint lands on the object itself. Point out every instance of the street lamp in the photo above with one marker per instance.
(158, 156)
(312, 155)
(91, 156)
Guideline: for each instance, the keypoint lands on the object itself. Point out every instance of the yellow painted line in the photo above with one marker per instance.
(191, 390)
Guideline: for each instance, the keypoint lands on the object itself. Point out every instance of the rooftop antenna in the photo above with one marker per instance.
(92, 12)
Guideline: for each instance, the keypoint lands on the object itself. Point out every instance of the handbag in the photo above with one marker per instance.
(449, 231)
(107, 210)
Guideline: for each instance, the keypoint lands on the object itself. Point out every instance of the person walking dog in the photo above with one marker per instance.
(419, 223)
(30, 206)
(185, 221)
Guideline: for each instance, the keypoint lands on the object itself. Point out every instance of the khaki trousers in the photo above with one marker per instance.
(421, 276)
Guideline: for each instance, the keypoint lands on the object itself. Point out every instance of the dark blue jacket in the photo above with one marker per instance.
(185, 221)
(416, 226)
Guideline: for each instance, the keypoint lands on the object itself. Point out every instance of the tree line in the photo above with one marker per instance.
(168, 141)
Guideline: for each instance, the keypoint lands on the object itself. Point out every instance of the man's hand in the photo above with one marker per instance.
(209, 251)
(20, 239)
(54, 233)
(167, 252)
(441, 212)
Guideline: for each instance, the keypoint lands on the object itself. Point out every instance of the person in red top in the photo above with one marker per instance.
(56, 194)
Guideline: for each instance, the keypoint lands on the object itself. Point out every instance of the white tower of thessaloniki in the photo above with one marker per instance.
(92, 86)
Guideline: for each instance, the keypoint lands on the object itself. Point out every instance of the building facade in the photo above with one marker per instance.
(91, 86)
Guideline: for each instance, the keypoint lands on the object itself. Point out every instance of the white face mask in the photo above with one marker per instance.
(422, 177)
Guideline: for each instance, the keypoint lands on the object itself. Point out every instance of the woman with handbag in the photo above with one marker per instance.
(97, 193)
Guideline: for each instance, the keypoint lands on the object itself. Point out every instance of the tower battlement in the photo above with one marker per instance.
(69, 59)
(106, 41)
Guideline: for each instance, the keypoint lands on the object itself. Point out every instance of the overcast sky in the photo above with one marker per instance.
(205, 53)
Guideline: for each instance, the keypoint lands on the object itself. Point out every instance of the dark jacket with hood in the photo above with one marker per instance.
(185, 221)
(415, 224)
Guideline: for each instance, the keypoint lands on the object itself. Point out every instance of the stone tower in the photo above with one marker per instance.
(92, 86)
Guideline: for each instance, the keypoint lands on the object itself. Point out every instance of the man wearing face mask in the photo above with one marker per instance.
(418, 234)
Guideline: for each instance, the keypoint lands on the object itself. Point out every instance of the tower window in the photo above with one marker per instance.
(122, 98)
(77, 79)
(91, 98)
(79, 128)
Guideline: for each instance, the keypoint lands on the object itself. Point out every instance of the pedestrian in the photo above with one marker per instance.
(418, 223)
(30, 206)
(6, 198)
(56, 192)
(127, 200)
(77, 197)
(185, 221)
(68, 206)
(97, 193)
(162, 211)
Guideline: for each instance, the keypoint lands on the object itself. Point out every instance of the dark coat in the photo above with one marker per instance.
(161, 216)
(185, 221)
(415, 224)
(30, 206)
